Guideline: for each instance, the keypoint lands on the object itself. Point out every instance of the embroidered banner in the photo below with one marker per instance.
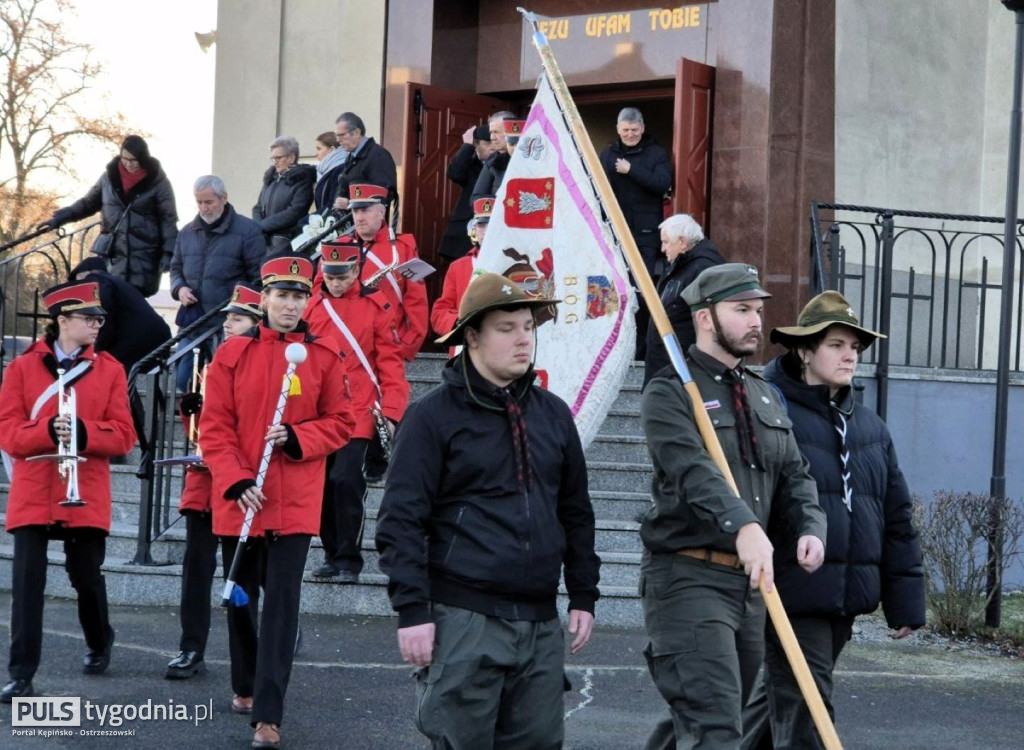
(549, 234)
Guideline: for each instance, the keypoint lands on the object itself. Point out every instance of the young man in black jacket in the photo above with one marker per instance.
(487, 501)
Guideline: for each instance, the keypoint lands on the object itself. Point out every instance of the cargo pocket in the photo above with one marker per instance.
(427, 695)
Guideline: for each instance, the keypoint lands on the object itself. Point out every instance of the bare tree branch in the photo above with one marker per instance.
(46, 79)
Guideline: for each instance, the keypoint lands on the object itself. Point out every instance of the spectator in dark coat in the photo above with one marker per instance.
(137, 212)
(217, 250)
(368, 163)
(640, 175)
(493, 172)
(133, 328)
(688, 252)
(330, 162)
(464, 170)
(872, 553)
(286, 196)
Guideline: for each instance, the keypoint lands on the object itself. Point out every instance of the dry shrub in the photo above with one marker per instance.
(955, 530)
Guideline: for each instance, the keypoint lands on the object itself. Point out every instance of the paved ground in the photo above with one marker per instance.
(350, 690)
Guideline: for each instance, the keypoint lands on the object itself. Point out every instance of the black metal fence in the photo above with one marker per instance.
(931, 281)
(24, 273)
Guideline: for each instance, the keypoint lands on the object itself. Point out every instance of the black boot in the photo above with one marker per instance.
(186, 664)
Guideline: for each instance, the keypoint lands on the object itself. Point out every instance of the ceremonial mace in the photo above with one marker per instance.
(234, 594)
(780, 620)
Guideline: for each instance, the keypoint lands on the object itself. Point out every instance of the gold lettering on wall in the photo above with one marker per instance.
(554, 29)
(677, 18)
(572, 318)
(571, 280)
(612, 24)
(571, 299)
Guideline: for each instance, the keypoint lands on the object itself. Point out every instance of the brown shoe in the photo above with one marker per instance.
(241, 705)
(266, 735)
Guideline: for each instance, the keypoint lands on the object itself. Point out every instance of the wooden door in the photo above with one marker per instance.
(691, 140)
(435, 119)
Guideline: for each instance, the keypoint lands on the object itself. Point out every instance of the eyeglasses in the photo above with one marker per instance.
(129, 160)
(93, 321)
(282, 156)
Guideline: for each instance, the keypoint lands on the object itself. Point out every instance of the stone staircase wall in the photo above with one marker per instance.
(619, 474)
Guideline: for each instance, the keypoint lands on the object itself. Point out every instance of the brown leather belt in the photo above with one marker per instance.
(728, 559)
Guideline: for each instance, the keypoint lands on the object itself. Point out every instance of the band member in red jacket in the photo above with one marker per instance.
(406, 299)
(200, 561)
(243, 386)
(361, 326)
(460, 272)
(33, 422)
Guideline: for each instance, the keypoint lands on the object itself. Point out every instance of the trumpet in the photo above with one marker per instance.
(375, 279)
(67, 457)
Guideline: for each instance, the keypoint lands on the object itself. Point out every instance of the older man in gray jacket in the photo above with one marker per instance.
(215, 251)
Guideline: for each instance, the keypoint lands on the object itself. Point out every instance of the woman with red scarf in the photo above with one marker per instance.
(139, 220)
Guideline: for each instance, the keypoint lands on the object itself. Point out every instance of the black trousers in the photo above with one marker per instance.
(822, 639)
(84, 550)
(261, 656)
(197, 571)
(342, 515)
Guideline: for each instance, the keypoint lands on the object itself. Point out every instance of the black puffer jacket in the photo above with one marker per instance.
(284, 202)
(144, 240)
(872, 553)
(491, 175)
(640, 192)
(684, 269)
(457, 526)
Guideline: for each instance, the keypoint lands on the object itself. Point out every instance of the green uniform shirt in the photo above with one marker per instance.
(694, 506)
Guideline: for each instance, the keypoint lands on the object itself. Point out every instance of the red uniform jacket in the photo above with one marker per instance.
(243, 385)
(408, 304)
(456, 279)
(198, 491)
(370, 324)
(198, 485)
(103, 411)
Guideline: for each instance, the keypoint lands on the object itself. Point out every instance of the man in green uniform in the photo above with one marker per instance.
(705, 549)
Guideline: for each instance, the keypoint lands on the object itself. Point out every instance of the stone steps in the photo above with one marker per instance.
(619, 472)
(160, 585)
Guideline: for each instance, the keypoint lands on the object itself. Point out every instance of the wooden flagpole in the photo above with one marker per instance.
(776, 611)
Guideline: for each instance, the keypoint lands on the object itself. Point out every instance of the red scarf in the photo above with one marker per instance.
(130, 179)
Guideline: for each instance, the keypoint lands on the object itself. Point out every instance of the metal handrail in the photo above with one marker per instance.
(923, 278)
(156, 371)
(24, 274)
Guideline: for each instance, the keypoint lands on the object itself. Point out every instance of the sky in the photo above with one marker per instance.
(156, 75)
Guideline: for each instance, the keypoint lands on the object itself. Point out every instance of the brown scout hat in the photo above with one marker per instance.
(827, 309)
(486, 292)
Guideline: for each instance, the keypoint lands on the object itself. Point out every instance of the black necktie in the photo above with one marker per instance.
(65, 364)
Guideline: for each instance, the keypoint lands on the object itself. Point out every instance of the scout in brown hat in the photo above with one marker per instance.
(827, 342)
(486, 293)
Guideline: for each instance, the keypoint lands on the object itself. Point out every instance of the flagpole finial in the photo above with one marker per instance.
(539, 39)
(528, 15)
